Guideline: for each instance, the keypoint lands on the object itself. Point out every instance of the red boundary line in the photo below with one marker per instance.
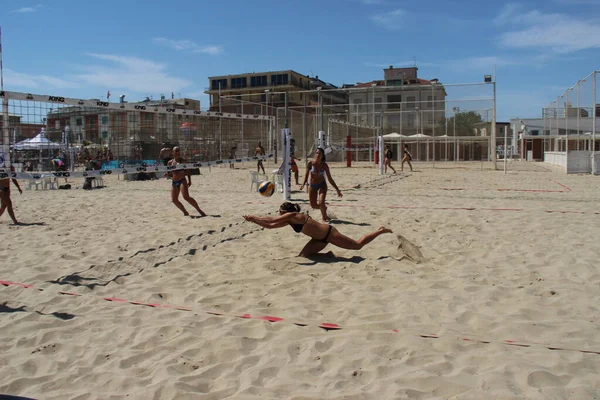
(323, 325)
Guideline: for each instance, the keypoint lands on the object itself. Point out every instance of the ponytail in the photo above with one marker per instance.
(289, 207)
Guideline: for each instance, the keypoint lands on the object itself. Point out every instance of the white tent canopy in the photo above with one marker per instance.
(39, 142)
(394, 135)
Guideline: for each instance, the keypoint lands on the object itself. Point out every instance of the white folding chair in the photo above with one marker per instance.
(98, 181)
(256, 179)
(37, 183)
(50, 183)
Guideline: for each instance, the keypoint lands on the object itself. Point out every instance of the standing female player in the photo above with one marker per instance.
(407, 158)
(317, 169)
(181, 184)
(388, 158)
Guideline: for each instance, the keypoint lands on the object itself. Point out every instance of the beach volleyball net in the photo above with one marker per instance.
(100, 134)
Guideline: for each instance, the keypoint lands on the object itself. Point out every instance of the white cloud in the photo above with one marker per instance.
(560, 33)
(484, 63)
(32, 81)
(392, 20)
(131, 73)
(509, 11)
(188, 45)
(25, 10)
(212, 50)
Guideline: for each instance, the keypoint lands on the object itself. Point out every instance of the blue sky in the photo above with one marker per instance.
(84, 48)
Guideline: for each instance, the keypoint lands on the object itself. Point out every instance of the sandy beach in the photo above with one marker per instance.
(505, 257)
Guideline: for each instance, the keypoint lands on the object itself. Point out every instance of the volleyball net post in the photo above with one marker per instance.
(286, 155)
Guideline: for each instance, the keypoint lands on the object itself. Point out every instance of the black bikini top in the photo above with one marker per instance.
(298, 227)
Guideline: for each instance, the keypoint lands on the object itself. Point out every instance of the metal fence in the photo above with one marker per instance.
(573, 114)
(438, 121)
(451, 122)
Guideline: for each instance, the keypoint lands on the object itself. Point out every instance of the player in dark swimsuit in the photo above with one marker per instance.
(181, 181)
(320, 234)
(5, 201)
(388, 159)
(407, 158)
(317, 169)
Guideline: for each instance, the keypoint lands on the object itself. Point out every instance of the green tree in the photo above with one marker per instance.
(465, 123)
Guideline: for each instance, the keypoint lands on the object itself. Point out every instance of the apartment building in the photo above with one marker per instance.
(264, 92)
(97, 125)
(19, 130)
(401, 102)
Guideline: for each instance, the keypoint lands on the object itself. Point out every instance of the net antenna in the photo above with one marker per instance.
(1, 67)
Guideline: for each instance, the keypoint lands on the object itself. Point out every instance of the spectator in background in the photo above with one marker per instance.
(165, 154)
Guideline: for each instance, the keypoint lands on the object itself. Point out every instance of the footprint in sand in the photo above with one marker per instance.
(407, 250)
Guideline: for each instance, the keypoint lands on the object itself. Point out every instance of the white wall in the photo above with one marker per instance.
(579, 162)
(574, 162)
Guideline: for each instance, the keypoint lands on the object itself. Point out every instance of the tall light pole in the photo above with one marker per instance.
(320, 102)
(373, 85)
(270, 122)
(488, 79)
(220, 124)
(456, 111)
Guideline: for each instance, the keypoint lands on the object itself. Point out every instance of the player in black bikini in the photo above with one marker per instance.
(407, 158)
(320, 234)
(181, 184)
(5, 201)
(317, 169)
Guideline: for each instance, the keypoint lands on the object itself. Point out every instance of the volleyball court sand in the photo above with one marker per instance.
(496, 265)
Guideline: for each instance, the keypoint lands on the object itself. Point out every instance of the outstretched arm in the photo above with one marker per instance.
(270, 222)
(330, 179)
(308, 167)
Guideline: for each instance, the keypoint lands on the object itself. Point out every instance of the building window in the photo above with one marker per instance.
(258, 81)
(357, 105)
(118, 121)
(410, 120)
(393, 119)
(378, 105)
(238, 83)
(219, 84)
(57, 124)
(78, 122)
(394, 102)
(148, 117)
(131, 118)
(279, 79)
(256, 110)
(535, 132)
(411, 101)
(105, 120)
